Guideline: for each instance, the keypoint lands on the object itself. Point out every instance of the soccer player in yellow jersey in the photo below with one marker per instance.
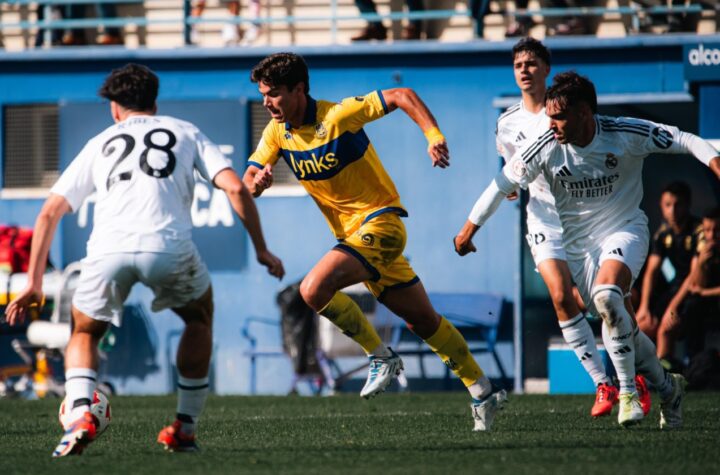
(328, 151)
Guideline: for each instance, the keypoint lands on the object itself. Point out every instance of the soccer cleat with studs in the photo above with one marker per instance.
(606, 396)
(484, 411)
(173, 440)
(671, 408)
(643, 394)
(77, 436)
(631, 412)
(382, 370)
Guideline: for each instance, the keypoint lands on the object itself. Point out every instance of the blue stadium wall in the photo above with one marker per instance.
(464, 85)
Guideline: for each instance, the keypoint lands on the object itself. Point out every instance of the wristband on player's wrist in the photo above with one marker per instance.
(433, 135)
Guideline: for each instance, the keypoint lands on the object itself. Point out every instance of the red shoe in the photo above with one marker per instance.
(175, 441)
(77, 436)
(605, 398)
(643, 394)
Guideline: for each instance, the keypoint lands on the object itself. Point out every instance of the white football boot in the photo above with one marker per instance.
(671, 408)
(382, 371)
(631, 411)
(484, 411)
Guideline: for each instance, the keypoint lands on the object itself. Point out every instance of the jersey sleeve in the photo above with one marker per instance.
(209, 160)
(527, 163)
(268, 149)
(354, 112)
(498, 143)
(643, 137)
(76, 182)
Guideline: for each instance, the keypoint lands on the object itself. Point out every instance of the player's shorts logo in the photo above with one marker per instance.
(320, 130)
(368, 239)
(611, 161)
(661, 138)
(518, 169)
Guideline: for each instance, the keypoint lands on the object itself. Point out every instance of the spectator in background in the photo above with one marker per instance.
(56, 34)
(375, 30)
(571, 25)
(672, 22)
(677, 241)
(110, 35)
(698, 299)
(76, 36)
(231, 32)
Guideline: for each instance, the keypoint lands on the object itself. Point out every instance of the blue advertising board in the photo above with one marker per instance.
(702, 61)
(218, 232)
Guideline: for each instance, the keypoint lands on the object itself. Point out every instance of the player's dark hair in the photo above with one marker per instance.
(133, 86)
(712, 213)
(679, 189)
(570, 89)
(533, 46)
(282, 69)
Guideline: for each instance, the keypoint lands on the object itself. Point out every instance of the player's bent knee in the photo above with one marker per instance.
(563, 299)
(313, 295)
(199, 311)
(609, 301)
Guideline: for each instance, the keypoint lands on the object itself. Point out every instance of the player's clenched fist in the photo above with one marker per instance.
(264, 178)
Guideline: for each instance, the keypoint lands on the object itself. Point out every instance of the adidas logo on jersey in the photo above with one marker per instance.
(520, 137)
(617, 252)
(564, 171)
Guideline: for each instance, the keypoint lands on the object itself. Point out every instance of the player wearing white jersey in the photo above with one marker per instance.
(594, 167)
(515, 128)
(142, 170)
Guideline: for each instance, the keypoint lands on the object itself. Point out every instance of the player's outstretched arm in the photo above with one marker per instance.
(258, 180)
(484, 207)
(244, 205)
(409, 102)
(52, 211)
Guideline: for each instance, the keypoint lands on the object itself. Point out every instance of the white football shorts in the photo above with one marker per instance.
(545, 243)
(106, 280)
(628, 245)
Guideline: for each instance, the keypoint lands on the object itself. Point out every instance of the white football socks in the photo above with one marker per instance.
(192, 394)
(579, 335)
(617, 333)
(79, 387)
(648, 364)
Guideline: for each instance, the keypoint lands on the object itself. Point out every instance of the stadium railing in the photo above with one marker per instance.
(334, 18)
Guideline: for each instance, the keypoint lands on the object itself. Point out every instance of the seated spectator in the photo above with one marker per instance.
(675, 241)
(55, 34)
(571, 25)
(698, 300)
(76, 36)
(110, 35)
(231, 32)
(671, 22)
(375, 30)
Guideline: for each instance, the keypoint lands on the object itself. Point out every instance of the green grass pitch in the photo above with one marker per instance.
(394, 433)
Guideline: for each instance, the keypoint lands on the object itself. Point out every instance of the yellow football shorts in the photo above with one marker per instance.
(379, 244)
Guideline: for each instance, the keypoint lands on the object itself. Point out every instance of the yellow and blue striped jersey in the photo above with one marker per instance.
(334, 160)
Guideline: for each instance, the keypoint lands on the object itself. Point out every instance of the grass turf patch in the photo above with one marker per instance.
(394, 433)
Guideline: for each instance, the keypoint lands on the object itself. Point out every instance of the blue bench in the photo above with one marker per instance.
(477, 316)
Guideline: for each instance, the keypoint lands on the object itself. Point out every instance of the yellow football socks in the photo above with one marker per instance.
(346, 315)
(451, 347)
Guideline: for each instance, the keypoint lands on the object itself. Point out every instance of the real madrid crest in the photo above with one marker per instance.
(320, 130)
(518, 168)
(611, 161)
